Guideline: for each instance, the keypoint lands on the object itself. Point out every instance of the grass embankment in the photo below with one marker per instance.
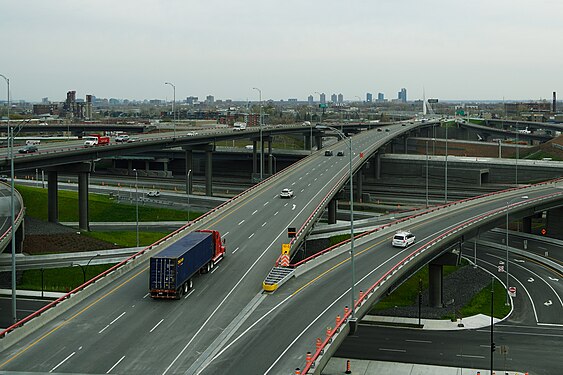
(407, 295)
(101, 208)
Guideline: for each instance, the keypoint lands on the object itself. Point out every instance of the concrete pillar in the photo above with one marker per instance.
(393, 146)
(20, 236)
(307, 141)
(270, 161)
(554, 220)
(189, 166)
(129, 166)
(359, 185)
(377, 157)
(165, 165)
(208, 173)
(435, 283)
(319, 141)
(406, 144)
(83, 223)
(52, 197)
(147, 167)
(527, 224)
(254, 157)
(332, 208)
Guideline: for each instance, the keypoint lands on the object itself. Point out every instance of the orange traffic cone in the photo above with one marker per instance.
(348, 367)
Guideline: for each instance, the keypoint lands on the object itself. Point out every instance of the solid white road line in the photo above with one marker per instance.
(393, 350)
(115, 320)
(63, 361)
(469, 356)
(157, 324)
(215, 269)
(252, 235)
(420, 341)
(235, 250)
(146, 295)
(114, 366)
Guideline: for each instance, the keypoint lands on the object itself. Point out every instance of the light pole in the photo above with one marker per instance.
(506, 263)
(136, 205)
(261, 144)
(426, 174)
(173, 104)
(353, 288)
(12, 213)
(446, 171)
(86, 266)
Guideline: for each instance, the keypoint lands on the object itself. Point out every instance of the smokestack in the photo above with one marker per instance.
(554, 102)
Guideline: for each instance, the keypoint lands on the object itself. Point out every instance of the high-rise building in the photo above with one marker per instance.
(369, 97)
(191, 100)
(88, 109)
(340, 98)
(323, 98)
(210, 99)
(45, 101)
(380, 97)
(333, 98)
(402, 95)
(310, 100)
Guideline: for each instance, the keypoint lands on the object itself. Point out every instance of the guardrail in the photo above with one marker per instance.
(163, 240)
(316, 361)
(6, 236)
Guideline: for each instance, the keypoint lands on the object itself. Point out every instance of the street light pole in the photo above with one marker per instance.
(136, 206)
(173, 105)
(446, 171)
(189, 176)
(261, 144)
(426, 174)
(86, 267)
(12, 210)
(506, 239)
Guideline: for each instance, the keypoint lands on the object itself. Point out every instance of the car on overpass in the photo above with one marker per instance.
(286, 193)
(122, 138)
(28, 149)
(153, 193)
(403, 239)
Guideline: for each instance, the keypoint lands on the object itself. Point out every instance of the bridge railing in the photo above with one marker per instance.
(323, 351)
(6, 236)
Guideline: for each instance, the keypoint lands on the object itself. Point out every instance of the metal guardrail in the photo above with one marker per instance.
(558, 146)
(320, 357)
(6, 236)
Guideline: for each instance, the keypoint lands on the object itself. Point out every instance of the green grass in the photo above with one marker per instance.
(127, 239)
(59, 279)
(339, 238)
(407, 293)
(481, 303)
(101, 208)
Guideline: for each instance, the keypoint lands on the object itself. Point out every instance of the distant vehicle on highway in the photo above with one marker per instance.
(239, 126)
(28, 149)
(95, 140)
(32, 142)
(403, 239)
(286, 193)
(249, 147)
(122, 138)
(153, 193)
(340, 153)
(191, 134)
(328, 153)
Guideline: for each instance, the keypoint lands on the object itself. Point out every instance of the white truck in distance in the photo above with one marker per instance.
(238, 126)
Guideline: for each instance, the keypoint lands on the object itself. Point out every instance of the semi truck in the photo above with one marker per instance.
(172, 270)
(94, 139)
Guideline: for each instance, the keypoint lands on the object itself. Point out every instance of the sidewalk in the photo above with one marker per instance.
(360, 367)
(472, 322)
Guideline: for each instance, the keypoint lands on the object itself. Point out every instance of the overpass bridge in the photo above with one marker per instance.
(111, 326)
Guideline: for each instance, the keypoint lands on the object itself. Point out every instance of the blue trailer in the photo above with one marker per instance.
(172, 270)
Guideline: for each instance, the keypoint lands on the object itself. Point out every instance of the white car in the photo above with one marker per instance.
(153, 193)
(403, 239)
(286, 193)
(191, 134)
(122, 138)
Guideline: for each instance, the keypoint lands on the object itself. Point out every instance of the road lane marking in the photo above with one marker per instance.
(63, 361)
(115, 320)
(420, 341)
(241, 222)
(146, 295)
(252, 235)
(255, 211)
(263, 225)
(215, 269)
(225, 235)
(264, 205)
(189, 294)
(469, 356)
(157, 324)
(293, 208)
(114, 366)
(235, 250)
(276, 213)
(393, 350)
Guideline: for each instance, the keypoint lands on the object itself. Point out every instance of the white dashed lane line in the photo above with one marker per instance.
(263, 225)
(252, 235)
(241, 222)
(255, 211)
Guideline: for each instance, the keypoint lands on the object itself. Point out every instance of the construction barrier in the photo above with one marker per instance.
(348, 367)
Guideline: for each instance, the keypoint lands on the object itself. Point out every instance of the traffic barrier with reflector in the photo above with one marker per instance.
(346, 309)
(297, 371)
(361, 294)
(284, 260)
(328, 331)
(337, 322)
(319, 344)
(309, 359)
(348, 367)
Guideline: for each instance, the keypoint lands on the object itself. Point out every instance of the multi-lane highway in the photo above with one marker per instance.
(226, 325)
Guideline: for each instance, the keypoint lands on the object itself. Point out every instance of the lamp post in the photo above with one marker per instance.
(261, 144)
(173, 104)
(446, 171)
(353, 288)
(136, 205)
(506, 263)
(86, 266)
(426, 174)
(12, 213)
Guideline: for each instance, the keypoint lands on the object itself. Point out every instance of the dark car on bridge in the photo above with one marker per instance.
(28, 149)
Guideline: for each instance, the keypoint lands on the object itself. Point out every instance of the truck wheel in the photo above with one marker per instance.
(212, 264)
(191, 284)
(186, 288)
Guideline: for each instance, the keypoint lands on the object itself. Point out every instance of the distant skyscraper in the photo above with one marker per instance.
(402, 95)
(323, 98)
(369, 97)
(310, 100)
(340, 98)
(210, 99)
(190, 100)
(45, 101)
(333, 98)
(380, 97)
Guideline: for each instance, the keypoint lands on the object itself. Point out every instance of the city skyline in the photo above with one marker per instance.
(485, 51)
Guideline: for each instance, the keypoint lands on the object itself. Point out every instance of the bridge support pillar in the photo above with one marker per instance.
(189, 167)
(435, 285)
(359, 185)
(270, 162)
(332, 207)
(527, 224)
(308, 142)
(406, 144)
(83, 222)
(377, 168)
(319, 141)
(554, 219)
(254, 156)
(209, 173)
(52, 197)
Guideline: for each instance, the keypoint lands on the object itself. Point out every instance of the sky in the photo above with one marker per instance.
(451, 49)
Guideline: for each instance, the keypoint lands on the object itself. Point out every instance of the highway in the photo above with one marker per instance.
(226, 317)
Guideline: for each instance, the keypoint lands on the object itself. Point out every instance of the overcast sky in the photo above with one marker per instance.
(478, 49)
